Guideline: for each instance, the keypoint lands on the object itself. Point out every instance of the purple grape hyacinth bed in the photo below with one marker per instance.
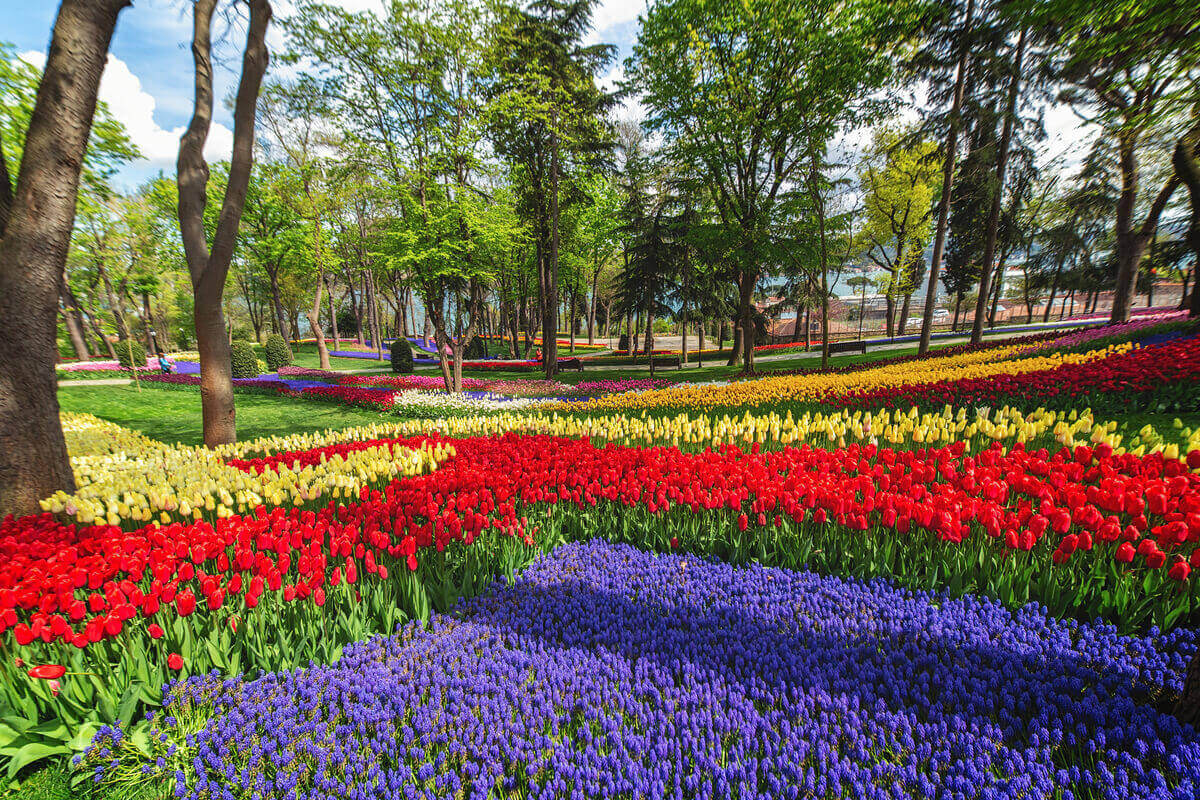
(605, 671)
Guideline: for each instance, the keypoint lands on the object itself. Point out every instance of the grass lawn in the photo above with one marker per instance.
(714, 367)
(305, 355)
(173, 415)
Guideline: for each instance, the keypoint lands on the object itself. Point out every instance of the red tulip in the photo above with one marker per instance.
(48, 671)
(175, 661)
(1179, 571)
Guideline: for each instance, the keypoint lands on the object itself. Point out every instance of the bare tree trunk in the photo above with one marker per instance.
(993, 221)
(904, 314)
(337, 339)
(376, 328)
(208, 269)
(550, 320)
(951, 151)
(276, 301)
(746, 302)
(314, 322)
(592, 308)
(1131, 239)
(70, 313)
(650, 340)
(35, 231)
(1188, 173)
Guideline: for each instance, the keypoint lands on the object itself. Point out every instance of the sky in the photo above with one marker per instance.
(147, 83)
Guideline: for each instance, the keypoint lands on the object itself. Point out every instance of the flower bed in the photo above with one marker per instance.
(298, 575)
(604, 671)
(260, 385)
(1163, 377)
(1116, 378)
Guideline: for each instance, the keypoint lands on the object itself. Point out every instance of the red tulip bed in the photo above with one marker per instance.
(1163, 377)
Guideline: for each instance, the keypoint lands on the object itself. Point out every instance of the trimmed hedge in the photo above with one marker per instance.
(402, 357)
(476, 349)
(243, 360)
(130, 354)
(278, 352)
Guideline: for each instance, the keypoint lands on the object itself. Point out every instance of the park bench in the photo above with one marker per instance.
(854, 346)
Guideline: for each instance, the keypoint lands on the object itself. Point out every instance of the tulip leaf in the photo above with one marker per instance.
(31, 753)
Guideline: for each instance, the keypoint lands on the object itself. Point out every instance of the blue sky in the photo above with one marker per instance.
(148, 81)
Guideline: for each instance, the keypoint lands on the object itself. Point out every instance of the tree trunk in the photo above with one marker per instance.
(993, 221)
(904, 314)
(337, 338)
(373, 307)
(943, 220)
(1053, 291)
(749, 277)
(208, 269)
(592, 308)
(1188, 173)
(650, 340)
(35, 226)
(114, 302)
(1131, 239)
(550, 320)
(314, 322)
(70, 313)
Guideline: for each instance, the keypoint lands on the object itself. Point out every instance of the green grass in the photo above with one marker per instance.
(714, 367)
(305, 355)
(173, 415)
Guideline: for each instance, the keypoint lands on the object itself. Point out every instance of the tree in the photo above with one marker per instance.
(208, 267)
(35, 231)
(292, 114)
(744, 90)
(899, 181)
(959, 39)
(1132, 68)
(108, 144)
(1002, 158)
(546, 115)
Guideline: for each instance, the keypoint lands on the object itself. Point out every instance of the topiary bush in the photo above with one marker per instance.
(278, 352)
(402, 357)
(130, 354)
(243, 360)
(476, 350)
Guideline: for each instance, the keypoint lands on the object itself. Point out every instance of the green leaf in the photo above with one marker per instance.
(32, 753)
(83, 736)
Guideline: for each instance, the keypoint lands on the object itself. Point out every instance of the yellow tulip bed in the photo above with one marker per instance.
(819, 387)
(126, 479)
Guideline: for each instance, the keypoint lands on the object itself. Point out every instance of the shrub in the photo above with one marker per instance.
(402, 357)
(623, 343)
(130, 354)
(243, 360)
(475, 349)
(278, 352)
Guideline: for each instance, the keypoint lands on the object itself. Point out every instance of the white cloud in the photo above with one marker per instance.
(134, 108)
(616, 12)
